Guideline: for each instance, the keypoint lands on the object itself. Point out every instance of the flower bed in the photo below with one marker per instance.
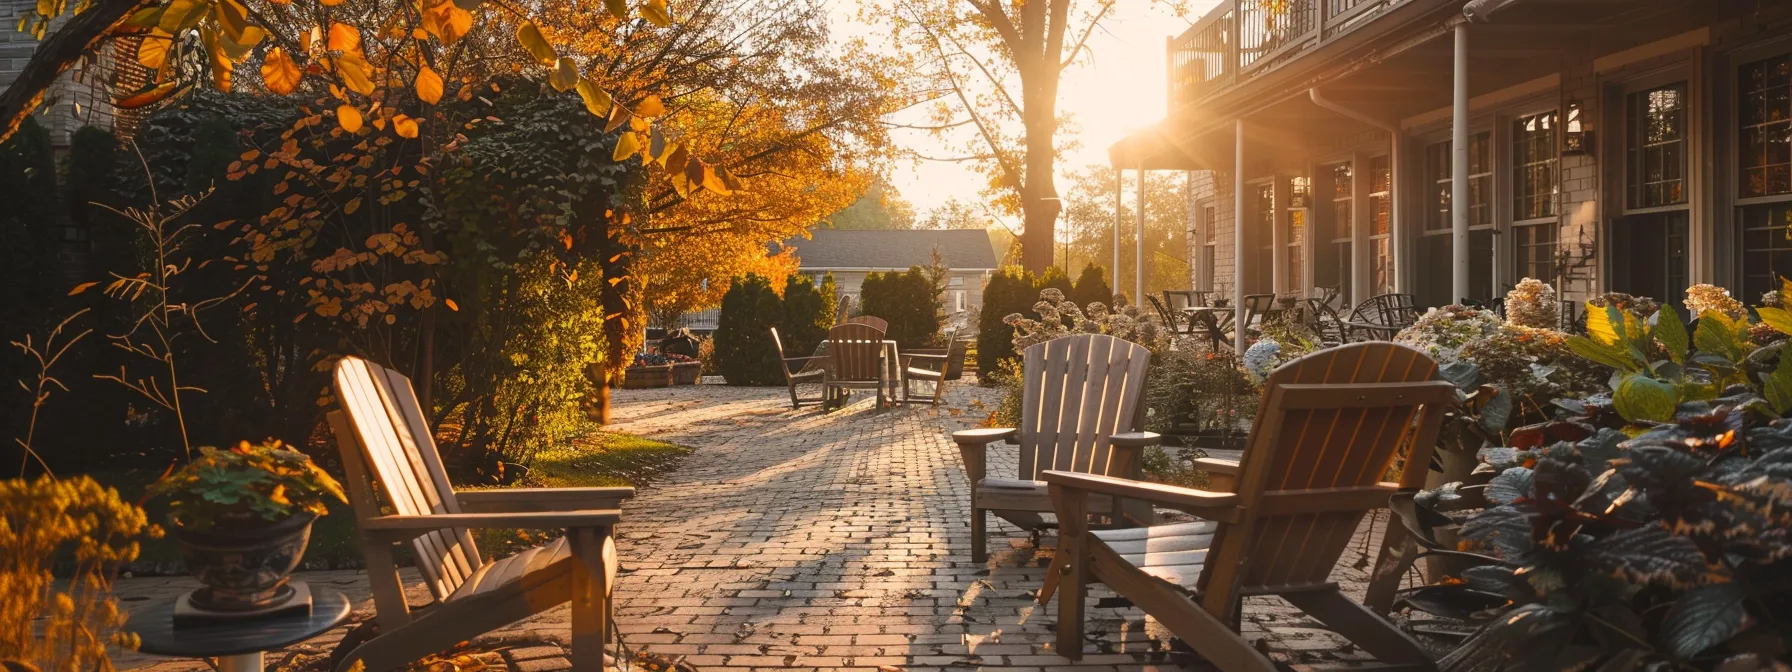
(653, 369)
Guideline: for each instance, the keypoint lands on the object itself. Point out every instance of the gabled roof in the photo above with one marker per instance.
(833, 249)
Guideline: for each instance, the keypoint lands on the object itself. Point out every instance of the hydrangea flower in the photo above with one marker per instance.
(1532, 304)
(1702, 297)
(1260, 359)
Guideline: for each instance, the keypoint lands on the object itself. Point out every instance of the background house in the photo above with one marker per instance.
(1634, 146)
(851, 255)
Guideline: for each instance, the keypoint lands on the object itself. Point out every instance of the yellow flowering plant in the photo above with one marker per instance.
(248, 484)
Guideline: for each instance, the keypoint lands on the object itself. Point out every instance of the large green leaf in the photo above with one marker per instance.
(1510, 486)
(1719, 334)
(1604, 325)
(1614, 356)
(1778, 385)
(1705, 617)
(1671, 333)
(1778, 318)
(1640, 397)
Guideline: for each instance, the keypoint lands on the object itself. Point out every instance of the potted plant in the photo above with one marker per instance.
(242, 518)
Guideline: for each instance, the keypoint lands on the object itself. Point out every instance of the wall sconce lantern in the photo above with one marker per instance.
(1577, 136)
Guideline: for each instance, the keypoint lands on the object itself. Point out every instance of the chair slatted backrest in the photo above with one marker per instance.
(396, 443)
(875, 322)
(1328, 429)
(1079, 391)
(1164, 314)
(855, 352)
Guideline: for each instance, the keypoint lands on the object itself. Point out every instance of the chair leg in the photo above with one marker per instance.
(979, 536)
(793, 400)
(1361, 625)
(596, 554)
(1072, 569)
(1050, 584)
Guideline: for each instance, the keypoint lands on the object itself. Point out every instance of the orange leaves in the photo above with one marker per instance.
(451, 305)
(344, 38)
(356, 72)
(597, 101)
(279, 73)
(429, 85)
(149, 95)
(627, 145)
(447, 22)
(152, 52)
(349, 118)
(537, 45)
(404, 126)
(650, 107)
(655, 11)
(82, 288)
(565, 75)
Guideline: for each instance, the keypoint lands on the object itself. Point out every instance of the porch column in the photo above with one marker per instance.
(1114, 271)
(1238, 251)
(1459, 196)
(1138, 244)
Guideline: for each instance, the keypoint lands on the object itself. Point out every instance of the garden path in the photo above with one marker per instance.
(812, 540)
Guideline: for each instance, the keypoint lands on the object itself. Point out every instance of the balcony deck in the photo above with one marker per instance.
(1240, 40)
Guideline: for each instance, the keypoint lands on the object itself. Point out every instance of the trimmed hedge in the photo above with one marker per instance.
(1092, 286)
(745, 354)
(806, 317)
(907, 301)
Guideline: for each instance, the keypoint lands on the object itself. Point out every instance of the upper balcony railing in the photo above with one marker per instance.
(1239, 39)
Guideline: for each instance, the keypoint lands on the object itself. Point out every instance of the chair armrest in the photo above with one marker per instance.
(1135, 439)
(403, 528)
(1222, 475)
(973, 446)
(1220, 506)
(541, 499)
(804, 359)
(923, 355)
(982, 436)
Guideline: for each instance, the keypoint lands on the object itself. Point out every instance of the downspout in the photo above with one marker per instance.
(1238, 249)
(1397, 238)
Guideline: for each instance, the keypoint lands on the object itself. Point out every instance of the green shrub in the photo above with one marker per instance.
(1009, 291)
(806, 316)
(1092, 287)
(907, 301)
(745, 354)
(830, 299)
(1053, 278)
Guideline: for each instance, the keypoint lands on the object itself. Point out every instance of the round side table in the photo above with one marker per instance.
(237, 645)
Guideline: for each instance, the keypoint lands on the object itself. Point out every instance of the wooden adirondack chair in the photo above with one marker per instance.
(381, 427)
(1081, 411)
(856, 360)
(799, 376)
(1328, 429)
(875, 322)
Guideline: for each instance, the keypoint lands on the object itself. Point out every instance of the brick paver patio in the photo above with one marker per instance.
(823, 541)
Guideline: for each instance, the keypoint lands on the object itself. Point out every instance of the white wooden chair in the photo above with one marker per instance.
(384, 439)
(1276, 522)
(1080, 411)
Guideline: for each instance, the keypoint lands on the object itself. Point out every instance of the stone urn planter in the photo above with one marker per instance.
(242, 519)
(243, 568)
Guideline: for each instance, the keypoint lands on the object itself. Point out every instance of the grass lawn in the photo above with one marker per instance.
(598, 459)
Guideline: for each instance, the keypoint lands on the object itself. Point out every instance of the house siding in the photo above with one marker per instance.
(1591, 187)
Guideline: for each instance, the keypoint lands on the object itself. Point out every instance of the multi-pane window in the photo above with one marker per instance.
(1535, 245)
(1766, 246)
(1301, 188)
(1264, 273)
(1765, 148)
(1534, 181)
(1209, 247)
(1657, 147)
(1381, 181)
(1439, 163)
(1342, 210)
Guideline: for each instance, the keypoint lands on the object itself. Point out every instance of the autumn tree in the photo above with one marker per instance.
(993, 66)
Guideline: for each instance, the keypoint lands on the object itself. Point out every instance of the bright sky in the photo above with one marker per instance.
(1117, 90)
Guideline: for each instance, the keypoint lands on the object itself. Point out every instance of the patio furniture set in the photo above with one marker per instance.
(857, 356)
(1203, 315)
(1274, 522)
